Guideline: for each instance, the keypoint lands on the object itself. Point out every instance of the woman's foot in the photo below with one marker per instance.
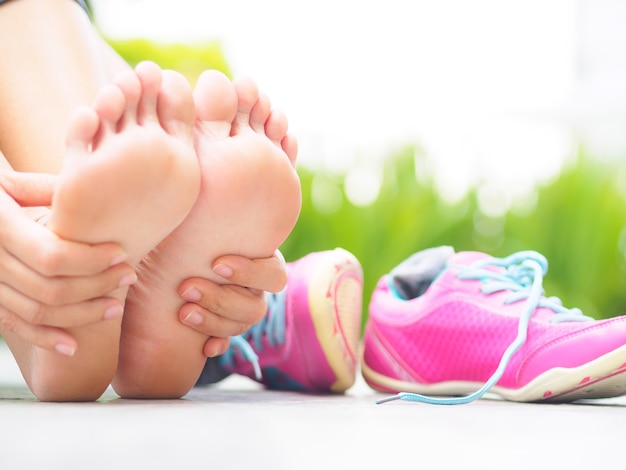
(131, 176)
(249, 202)
(131, 173)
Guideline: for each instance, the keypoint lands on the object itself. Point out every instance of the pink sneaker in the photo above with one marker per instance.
(462, 325)
(308, 339)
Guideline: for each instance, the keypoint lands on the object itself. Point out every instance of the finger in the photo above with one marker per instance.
(216, 346)
(42, 251)
(63, 290)
(266, 274)
(52, 339)
(65, 316)
(235, 303)
(209, 323)
(28, 189)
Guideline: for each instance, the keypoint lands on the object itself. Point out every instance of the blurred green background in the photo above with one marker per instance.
(577, 220)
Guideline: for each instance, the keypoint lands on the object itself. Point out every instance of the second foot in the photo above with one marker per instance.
(249, 202)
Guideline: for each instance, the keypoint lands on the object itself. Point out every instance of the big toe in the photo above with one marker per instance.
(215, 101)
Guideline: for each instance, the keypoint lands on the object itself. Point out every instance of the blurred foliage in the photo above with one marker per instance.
(579, 225)
(189, 59)
(578, 221)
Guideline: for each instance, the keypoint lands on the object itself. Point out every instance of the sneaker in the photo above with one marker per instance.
(448, 328)
(308, 340)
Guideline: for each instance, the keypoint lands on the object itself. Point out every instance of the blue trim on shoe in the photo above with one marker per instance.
(272, 327)
(392, 289)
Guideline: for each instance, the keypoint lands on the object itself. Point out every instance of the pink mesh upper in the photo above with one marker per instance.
(454, 332)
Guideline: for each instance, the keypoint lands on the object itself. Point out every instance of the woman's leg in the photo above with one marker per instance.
(53, 61)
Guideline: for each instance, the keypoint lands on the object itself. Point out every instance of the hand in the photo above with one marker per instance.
(224, 310)
(47, 283)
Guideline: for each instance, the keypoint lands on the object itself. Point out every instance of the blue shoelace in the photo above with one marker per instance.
(522, 274)
(272, 326)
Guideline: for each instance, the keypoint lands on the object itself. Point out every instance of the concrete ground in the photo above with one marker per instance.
(237, 425)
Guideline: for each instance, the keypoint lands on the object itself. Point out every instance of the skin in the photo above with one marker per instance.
(249, 202)
(48, 284)
(134, 144)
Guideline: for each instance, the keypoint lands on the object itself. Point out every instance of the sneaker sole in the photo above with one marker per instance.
(603, 377)
(335, 302)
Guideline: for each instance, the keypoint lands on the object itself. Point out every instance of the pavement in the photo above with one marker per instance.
(239, 425)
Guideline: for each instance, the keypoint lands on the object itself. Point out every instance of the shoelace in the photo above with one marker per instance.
(522, 275)
(272, 327)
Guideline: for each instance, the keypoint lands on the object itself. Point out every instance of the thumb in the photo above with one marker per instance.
(28, 189)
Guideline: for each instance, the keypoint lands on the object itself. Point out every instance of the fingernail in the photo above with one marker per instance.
(194, 318)
(65, 349)
(223, 270)
(113, 312)
(128, 279)
(191, 295)
(218, 352)
(118, 259)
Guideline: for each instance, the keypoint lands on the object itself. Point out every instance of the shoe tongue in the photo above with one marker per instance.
(411, 278)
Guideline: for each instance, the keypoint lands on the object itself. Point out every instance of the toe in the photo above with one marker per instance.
(130, 86)
(82, 129)
(276, 126)
(260, 113)
(247, 98)
(150, 77)
(175, 107)
(289, 145)
(110, 105)
(216, 104)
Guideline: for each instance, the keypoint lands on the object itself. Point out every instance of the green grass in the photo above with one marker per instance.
(189, 59)
(578, 224)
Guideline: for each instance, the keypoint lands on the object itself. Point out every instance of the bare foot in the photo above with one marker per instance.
(141, 177)
(249, 202)
(131, 176)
